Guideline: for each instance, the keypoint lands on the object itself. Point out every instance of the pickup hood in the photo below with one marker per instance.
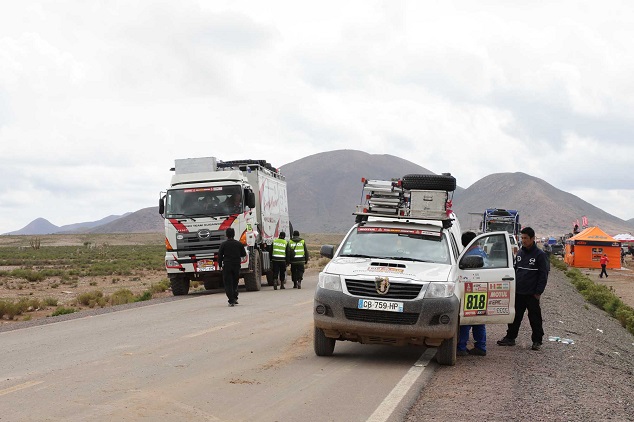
(408, 270)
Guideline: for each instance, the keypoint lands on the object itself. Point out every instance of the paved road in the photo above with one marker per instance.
(197, 359)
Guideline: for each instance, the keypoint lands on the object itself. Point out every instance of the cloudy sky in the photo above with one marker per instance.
(97, 98)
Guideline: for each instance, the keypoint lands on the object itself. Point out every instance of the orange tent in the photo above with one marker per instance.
(585, 249)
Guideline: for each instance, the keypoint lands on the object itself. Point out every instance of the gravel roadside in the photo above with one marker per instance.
(590, 380)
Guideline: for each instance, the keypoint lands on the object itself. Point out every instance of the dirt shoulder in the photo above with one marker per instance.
(589, 380)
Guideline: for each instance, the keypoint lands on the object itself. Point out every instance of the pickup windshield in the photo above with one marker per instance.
(204, 202)
(396, 244)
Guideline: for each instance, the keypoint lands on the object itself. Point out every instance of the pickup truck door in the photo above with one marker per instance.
(486, 281)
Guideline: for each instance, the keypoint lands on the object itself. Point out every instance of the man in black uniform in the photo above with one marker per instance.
(298, 258)
(230, 255)
(531, 276)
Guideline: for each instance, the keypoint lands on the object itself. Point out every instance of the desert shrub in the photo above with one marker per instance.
(160, 287)
(61, 310)
(50, 301)
(146, 295)
(121, 297)
(95, 297)
(29, 275)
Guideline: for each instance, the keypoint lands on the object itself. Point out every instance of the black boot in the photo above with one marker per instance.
(275, 284)
(282, 285)
(299, 284)
(294, 284)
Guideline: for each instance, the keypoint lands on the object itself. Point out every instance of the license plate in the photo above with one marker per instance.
(206, 265)
(380, 305)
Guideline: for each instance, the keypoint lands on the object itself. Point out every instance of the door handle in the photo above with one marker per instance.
(508, 278)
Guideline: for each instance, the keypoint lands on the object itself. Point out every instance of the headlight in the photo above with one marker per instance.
(435, 290)
(329, 281)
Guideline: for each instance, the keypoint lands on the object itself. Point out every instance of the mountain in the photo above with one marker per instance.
(550, 211)
(323, 190)
(43, 226)
(37, 226)
(145, 220)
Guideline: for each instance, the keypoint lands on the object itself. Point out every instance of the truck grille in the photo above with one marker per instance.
(367, 288)
(192, 244)
(381, 317)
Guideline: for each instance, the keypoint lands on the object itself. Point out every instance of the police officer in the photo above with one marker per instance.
(230, 255)
(298, 258)
(279, 254)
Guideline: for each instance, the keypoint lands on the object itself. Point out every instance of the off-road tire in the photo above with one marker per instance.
(429, 182)
(253, 280)
(179, 284)
(324, 346)
(446, 352)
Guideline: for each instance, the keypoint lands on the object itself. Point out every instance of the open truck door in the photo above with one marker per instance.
(486, 280)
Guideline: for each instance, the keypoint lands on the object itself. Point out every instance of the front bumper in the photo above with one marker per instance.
(422, 322)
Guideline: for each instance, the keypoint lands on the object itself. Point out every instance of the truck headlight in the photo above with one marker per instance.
(329, 281)
(436, 290)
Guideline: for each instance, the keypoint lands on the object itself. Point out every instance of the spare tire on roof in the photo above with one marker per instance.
(443, 181)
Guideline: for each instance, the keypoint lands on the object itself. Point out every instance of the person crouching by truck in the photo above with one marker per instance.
(298, 258)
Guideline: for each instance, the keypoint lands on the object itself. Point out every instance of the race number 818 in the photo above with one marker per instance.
(475, 301)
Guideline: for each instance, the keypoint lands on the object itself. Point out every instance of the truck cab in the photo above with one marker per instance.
(401, 276)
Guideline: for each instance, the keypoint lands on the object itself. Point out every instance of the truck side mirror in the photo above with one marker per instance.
(162, 205)
(250, 199)
(327, 250)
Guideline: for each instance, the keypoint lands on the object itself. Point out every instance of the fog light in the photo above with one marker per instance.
(320, 309)
(444, 319)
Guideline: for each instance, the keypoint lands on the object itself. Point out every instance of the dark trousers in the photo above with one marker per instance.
(479, 336)
(279, 270)
(603, 271)
(230, 278)
(297, 271)
(522, 303)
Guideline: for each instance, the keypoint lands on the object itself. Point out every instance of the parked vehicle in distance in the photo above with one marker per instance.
(557, 249)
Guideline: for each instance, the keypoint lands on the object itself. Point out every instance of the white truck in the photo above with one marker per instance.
(401, 275)
(207, 196)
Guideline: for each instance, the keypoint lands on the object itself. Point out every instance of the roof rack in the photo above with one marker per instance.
(388, 198)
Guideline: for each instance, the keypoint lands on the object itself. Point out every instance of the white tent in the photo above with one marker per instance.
(624, 237)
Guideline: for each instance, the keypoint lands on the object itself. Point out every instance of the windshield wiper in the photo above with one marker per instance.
(356, 255)
(182, 215)
(404, 258)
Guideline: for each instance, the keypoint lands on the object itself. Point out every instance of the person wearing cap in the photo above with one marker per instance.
(298, 258)
(230, 256)
(280, 252)
(604, 263)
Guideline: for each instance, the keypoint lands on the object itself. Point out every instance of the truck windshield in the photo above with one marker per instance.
(395, 245)
(208, 201)
(500, 227)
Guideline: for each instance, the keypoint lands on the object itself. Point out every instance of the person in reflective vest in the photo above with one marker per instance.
(298, 258)
(279, 257)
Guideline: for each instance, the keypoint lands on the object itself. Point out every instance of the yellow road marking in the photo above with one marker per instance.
(19, 387)
(303, 303)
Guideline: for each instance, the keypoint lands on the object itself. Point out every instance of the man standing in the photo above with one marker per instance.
(531, 276)
(604, 263)
(230, 256)
(298, 258)
(479, 331)
(279, 253)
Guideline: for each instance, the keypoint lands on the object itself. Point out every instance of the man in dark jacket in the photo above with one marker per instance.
(230, 256)
(531, 276)
(298, 258)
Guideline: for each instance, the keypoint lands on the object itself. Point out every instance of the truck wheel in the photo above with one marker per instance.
(324, 346)
(179, 284)
(446, 353)
(253, 280)
(444, 182)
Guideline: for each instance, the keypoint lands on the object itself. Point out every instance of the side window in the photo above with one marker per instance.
(492, 249)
